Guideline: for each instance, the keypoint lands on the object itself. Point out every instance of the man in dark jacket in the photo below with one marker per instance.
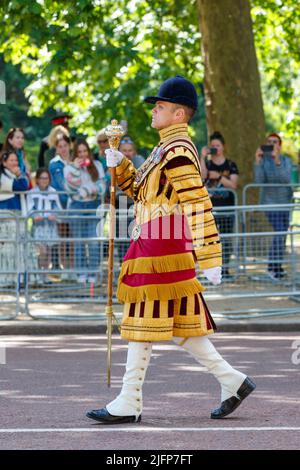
(45, 152)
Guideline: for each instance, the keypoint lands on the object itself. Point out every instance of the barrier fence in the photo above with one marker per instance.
(68, 269)
(9, 265)
(254, 190)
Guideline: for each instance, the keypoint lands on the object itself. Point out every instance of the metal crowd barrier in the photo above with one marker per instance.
(249, 260)
(257, 187)
(9, 265)
(77, 271)
(224, 192)
(48, 283)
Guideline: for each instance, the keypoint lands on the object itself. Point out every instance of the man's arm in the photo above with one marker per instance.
(259, 171)
(283, 172)
(197, 207)
(125, 173)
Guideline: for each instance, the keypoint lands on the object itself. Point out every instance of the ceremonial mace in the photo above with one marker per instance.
(114, 133)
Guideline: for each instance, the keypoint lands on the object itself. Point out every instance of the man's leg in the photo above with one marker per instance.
(127, 407)
(283, 225)
(235, 385)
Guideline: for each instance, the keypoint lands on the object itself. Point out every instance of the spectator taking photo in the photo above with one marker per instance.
(271, 166)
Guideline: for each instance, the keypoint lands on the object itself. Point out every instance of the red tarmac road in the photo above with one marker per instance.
(49, 382)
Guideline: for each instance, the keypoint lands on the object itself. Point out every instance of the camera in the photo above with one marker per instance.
(212, 151)
(267, 150)
(85, 163)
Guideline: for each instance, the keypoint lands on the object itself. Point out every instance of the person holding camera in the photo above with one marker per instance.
(273, 167)
(220, 176)
(85, 183)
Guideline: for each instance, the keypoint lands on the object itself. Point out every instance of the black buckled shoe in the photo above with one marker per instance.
(231, 404)
(104, 417)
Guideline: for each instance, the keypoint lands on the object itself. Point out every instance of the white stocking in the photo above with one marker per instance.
(206, 354)
(129, 401)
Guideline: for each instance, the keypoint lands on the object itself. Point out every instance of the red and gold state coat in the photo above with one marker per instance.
(174, 229)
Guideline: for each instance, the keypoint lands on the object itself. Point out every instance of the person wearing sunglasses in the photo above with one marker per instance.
(99, 155)
(271, 166)
(102, 144)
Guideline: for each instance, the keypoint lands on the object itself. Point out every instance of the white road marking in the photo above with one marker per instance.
(112, 428)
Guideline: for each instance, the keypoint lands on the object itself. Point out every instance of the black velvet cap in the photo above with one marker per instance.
(176, 90)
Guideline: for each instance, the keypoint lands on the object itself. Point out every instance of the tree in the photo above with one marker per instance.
(232, 84)
(108, 55)
(276, 30)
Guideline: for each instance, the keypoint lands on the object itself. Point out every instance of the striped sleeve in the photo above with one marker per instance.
(196, 204)
(125, 173)
(72, 176)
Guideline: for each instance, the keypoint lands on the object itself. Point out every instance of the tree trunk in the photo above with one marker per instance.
(232, 84)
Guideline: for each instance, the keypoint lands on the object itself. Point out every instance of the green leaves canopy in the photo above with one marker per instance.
(96, 58)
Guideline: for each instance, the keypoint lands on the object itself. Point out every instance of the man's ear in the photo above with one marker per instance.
(180, 114)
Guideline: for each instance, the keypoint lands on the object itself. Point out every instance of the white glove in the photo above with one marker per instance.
(214, 275)
(113, 157)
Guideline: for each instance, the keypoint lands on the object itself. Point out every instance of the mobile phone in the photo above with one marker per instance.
(85, 163)
(212, 151)
(267, 148)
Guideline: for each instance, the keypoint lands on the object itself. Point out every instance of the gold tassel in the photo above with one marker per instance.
(158, 291)
(158, 264)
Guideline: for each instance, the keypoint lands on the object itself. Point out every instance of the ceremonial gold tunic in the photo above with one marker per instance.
(175, 228)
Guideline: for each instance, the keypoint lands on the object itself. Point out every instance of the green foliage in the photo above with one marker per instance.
(277, 35)
(32, 148)
(96, 59)
(15, 112)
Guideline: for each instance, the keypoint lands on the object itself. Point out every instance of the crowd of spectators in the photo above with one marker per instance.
(63, 197)
(73, 181)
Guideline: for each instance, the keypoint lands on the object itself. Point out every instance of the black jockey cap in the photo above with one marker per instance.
(176, 90)
(60, 119)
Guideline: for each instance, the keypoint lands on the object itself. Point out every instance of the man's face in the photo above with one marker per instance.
(273, 140)
(128, 150)
(217, 144)
(103, 144)
(163, 115)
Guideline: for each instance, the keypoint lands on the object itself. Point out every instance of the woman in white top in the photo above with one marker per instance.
(40, 200)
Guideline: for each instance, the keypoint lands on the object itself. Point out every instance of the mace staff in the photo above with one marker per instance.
(114, 132)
